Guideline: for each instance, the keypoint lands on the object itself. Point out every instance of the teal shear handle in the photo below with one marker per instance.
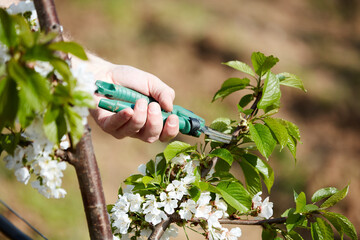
(121, 98)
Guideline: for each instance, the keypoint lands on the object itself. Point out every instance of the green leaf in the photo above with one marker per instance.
(25, 34)
(9, 102)
(341, 224)
(310, 208)
(224, 175)
(268, 234)
(252, 178)
(245, 100)
(331, 201)
(290, 80)
(55, 124)
(83, 99)
(39, 52)
(240, 66)
(293, 219)
(194, 193)
(261, 63)
(222, 166)
(33, 86)
(69, 47)
(300, 202)
(146, 180)
(266, 172)
(295, 236)
(323, 193)
(291, 145)
(293, 130)
(150, 168)
(221, 125)
(50, 127)
(278, 129)
(263, 138)
(175, 148)
(136, 178)
(206, 186)
(25, 112)
(75, 124)
(231, 85)
(9, 142)
(223, 154)
(245, 111)
(160, 167)
(271, 93)
(235, 195)
(109, 208)
(321, 230)
(7, 29)
(62, 67)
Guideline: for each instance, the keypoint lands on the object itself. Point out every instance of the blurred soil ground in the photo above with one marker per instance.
(184, 43)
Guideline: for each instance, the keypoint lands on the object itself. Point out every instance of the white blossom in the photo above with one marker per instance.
(15, 161)
(128, 189)
(204, 208)
(4, 55)
(135, 201)
(151, 208)
(213, 235)
(25, 6)
(213, 220)
(43, 68)
(181, 159)
(155, 216)
(85, 79)
(188, 209)
(142, 169)
(22, 175)
(265, 208)
(64, 143)
(168, 203)
(191, 166)
(170, 232)
(233, 234)
(177, 189)
(121, 222)
(145, 233)
(122, 204)
(221, 205)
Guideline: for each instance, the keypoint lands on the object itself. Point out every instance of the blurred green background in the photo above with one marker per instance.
(184, 43)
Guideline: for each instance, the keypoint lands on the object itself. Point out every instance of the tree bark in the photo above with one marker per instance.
(84, 161)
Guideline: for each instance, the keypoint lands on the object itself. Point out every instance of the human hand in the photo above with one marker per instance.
(144, 121)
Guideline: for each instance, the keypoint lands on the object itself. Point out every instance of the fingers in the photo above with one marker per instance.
(171, 128)
(154, 124)
(144, 83)
(161, 92)
(135, 123)
(144, 122)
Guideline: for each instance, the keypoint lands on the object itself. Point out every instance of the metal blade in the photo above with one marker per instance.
(217, 136)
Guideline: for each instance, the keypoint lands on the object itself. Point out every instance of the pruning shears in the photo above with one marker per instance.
(119, 98)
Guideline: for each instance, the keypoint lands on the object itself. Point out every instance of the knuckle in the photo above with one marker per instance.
(151, 139)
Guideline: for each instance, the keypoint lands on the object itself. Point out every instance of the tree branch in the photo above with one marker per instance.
(84, 160)
(160, 228)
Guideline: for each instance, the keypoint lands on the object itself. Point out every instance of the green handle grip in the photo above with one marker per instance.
(117, 106)
(118, 92)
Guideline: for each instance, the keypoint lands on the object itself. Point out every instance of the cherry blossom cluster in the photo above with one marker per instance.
(38, 156)
(134, 214)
